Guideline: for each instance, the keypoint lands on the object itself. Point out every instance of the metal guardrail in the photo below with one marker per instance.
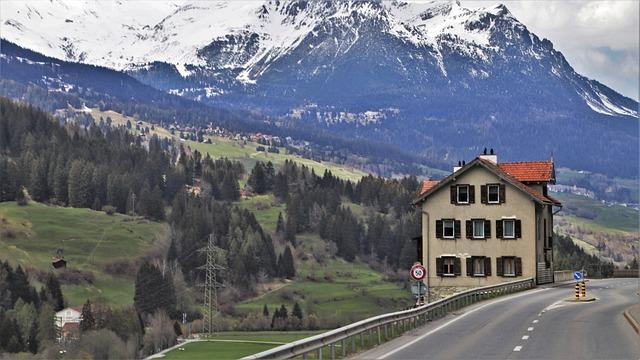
(374, 331)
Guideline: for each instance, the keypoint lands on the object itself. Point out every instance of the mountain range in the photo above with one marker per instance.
(435, 78)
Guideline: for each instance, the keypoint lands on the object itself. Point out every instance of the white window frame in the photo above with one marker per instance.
(458, 194)
(451, 266)
(453, 228)
(480, 260)
(473, 228)
(504, 228)
(489, 193)
(512, 260)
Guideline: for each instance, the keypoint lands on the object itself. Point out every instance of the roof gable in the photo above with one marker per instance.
(428, 187)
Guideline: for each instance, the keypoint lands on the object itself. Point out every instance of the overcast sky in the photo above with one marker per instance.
(598, 38)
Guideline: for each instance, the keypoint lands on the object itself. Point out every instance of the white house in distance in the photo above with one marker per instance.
(68, 320)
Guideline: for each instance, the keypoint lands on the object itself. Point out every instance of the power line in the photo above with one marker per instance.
(211, 284)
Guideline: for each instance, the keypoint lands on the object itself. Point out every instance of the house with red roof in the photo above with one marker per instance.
(488, 222)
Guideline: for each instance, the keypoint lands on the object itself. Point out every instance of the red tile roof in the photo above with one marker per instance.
(529, 171)
(427, 185)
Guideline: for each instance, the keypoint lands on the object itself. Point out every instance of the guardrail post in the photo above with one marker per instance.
(353, 344)
(332, 346)
(304, 356)
(319, 357)
(344, 349)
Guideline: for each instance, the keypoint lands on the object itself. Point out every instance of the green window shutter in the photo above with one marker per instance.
(487, 229)
(483, 194)
(439, 266)
(469, 266)
(469, 229)
(456, 229)
(518, 229)
(502, 193)
(499, 269)
(457, 267)
(487, 266)
(518, 266)
(499, 229)
(472, 194)
(454, 194)
(439, 229)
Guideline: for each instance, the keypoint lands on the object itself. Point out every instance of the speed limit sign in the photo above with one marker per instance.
(418, 272)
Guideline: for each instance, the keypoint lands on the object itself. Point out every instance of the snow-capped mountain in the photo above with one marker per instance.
(428, 76)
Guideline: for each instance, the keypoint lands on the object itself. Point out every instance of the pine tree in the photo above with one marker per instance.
(280, 224)
(54, 293)
(88, 322)
(287, 266)
(265, 311)
(257, 180)
(38, 182)
(297, 311)
(290, 230)
(153, 291)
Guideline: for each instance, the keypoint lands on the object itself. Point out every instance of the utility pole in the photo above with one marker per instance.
(211, 284)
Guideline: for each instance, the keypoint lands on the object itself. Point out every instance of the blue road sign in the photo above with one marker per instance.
(577, 275)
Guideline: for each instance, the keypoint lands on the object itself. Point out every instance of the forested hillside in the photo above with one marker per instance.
(92, 165)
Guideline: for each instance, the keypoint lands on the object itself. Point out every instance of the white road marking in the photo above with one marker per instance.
(525, 337)
(526, 293)
(539, 314)
(517, 348)
(535, 321)
(530, 328)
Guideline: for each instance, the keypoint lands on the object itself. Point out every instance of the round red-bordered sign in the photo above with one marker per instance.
(418, 272)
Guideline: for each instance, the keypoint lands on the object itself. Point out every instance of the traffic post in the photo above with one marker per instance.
(418, 288)
(577, 289)
(583, 289)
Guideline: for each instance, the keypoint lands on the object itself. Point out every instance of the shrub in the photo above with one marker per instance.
(109, 210)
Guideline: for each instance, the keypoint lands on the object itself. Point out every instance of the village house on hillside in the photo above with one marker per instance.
(488, 222)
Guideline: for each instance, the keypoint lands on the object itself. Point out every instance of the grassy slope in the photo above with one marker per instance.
(617, 226)
(353, 291)
(89, 238)
(230, 350)
(237, 150)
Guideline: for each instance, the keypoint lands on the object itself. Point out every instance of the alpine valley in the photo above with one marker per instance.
(432, 79)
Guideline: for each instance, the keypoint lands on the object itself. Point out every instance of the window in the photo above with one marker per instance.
(478, 229)
(509, 229)
(478, 266)
(508, 266)
(448, 266)
(448, 229)
(493, 193)
(463, 194)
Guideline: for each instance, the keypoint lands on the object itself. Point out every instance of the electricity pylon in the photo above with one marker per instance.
(211, 284)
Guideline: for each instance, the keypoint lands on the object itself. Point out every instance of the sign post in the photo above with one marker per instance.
(418, 288)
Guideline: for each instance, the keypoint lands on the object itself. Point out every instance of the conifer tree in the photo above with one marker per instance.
(287, 265)
(88, 322)
(280, 224)
(54, 293)
(297, 311)
(265, 311)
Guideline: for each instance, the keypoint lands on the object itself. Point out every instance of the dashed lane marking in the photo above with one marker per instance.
(530, 328)
(525, 337)
(517, 348)
(535, 321)
(402, 347)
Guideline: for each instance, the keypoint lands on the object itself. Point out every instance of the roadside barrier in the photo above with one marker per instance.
(367, 333)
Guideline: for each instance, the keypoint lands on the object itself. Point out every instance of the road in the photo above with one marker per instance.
(535, 324)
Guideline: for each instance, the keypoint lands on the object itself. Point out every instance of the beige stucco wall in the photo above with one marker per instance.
(438, 206)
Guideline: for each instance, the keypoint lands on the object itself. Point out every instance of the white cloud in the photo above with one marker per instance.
(598, 38)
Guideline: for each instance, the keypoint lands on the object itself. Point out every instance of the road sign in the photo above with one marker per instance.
(418, 272)
(577, 275)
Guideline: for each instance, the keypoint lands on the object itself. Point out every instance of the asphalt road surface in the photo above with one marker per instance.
(535, 324)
